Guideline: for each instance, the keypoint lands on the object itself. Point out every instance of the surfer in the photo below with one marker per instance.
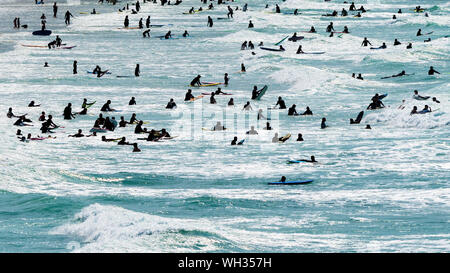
(185, 34)
(196, 81)
(243, 68)
(344, 12)
(226, 79)
(261, 116)
(431, 71)
(299, 50)
(414, 111)
(137, 71)
(280, 103)
(146, 33)
(231, 102)
(247, 106)
(122, 122)
(141, 24)
(75, 67)
(308, 112)
(138, 129)
(132, 101)
(252, 131)
(330, 27)
(168, 35)
(210, 22)
(292, 111)
(312, 30)
(218, 127)
(106, 107)
(360, 77)
(358, 118)
(42, 117)
(323, 125)
(31, 104)
(171, 104)
(300, 137)
(126, 22)
(55, 10)
(230, 12)
(124, 141)
(403, 73)
(396, 42)
(419, 32)
(147, 22)
(67, 17)
(345, 30)
(188, 95)
(79, 134)
(250, 24)
(212, 100)
(68, 112)
(267, 126)
(366, 42)
(312, 160)
(277, 9)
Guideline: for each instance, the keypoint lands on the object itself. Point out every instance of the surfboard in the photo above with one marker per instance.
(156, 25)
(226, 94)
(98, 130)
(196, 98)
(295, 39)
(295, 161)
(282, 40)
(90, 72)
(321, 52)
(128, 28)
(418, 97)
(291, 182)
(271, 49)
(380, 97)
(286, 137)
(261, 92)
(206, 84)
(241, 142)
(42, 32)
(89, 105)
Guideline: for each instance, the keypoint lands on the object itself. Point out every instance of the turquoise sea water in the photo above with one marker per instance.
(379, 190)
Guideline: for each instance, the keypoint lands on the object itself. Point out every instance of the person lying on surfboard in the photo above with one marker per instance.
(312, 160)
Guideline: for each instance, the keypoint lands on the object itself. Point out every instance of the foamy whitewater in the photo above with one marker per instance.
(380, 190)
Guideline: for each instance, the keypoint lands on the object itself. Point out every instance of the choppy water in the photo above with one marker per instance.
(379, 190)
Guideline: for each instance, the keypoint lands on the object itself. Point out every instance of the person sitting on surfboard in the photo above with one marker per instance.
(250, 24)
(345, 30)
(122, 122)
(188, 95)
(132, 101)
(431, 71)
(234, 141)
(360, 77)
(312, 160)
(396, 42)
(168, 35)
(196, 81)
(280, 103)
(312, 30)
(68, 112)
(185, 34)
(299, 137)
(344, 12)
(292, 111)
(231, 102)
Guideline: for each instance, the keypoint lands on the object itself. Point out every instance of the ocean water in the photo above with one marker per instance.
(380, 190)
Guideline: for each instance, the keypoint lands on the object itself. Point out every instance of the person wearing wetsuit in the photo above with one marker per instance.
(106, 107)
(210, 22)
(244, 45)
(292, 111)
(365, 42)
(138, 129)
(323, 125)
(132, 101)
(141, 24)
(255, 92)
(31, 104)
(435, 100)
(133, 119)
(242, 68)
(226, 79)
(360, 77)
(231, 102)
(185, 34)
(250, 24)
(122, 122)
(344, 12)
(212, 100)
(196, 81)
(308, 112)
(396, 42)
(345, 30)
(137, 71)
(234, 141)
(55, 10)
(312, 30)
(124, 141)
(300, 50)
(330, 27)
(147, 22)
(230, 12)
(168, 35)
(431, 71)
(58, 41)
(414, 110)
(67, 17)
(75, 67)
(126, 22)
(267, 126)
(299, 137)
(247, 106)
(79, 134)
(68, 112)
(42, 117)
(188, 95)
(171, 104)
(419, 32)
(250, 45)
(146, 33)
(358, 118)
(280, 103)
